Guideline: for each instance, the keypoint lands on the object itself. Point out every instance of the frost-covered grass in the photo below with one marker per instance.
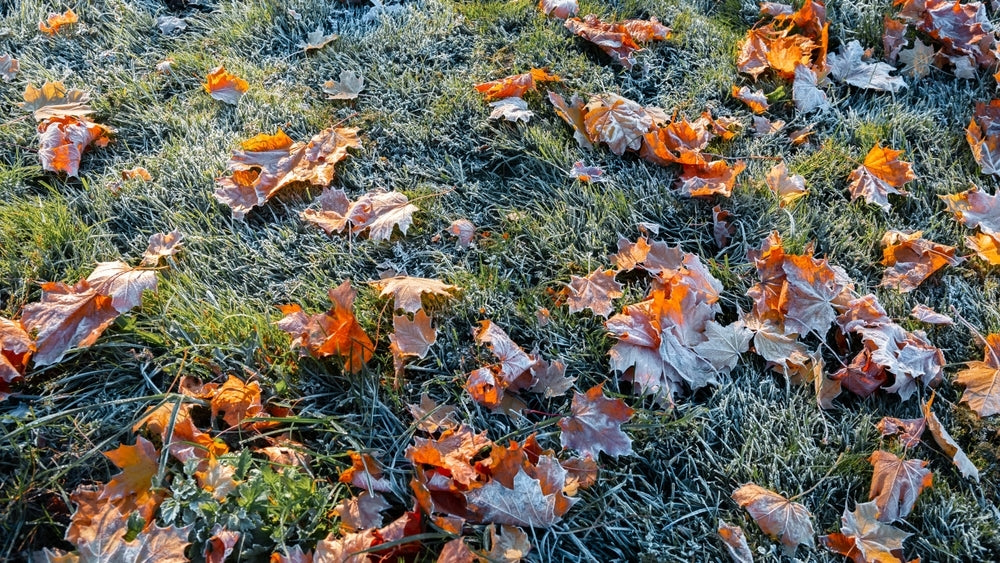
(425, 133)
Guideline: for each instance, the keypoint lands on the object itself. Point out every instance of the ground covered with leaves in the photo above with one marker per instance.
(457, 280)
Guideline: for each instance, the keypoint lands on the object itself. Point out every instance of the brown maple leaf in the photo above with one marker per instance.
(894, 37)
(335, 332)
(55, 21)
(378, 212)
(594, 425)
(712, 178)
(896, 484)
(408, 291)
(618, 122)
(862, 376)
(864, 539)
(594, 291)
(351, 548)
(983, 136)
(528, 500)
(511, 546)
(788, 188)
(431, 417)
(225, 86)
(735, 542)
(453, 452)
(16, 348)
(681, 142)
(908, 430)
(777, 516)
(63, 139)
(515, 86)
(162, 245)
(268, 163)
(981, 380)
(66, 317)
(619, 40)
(122, 283)
(182, 438)
(572, 112)
(514, 361)
(975, 208)
(220, 545)
(412, 338)
(104, 539)
(925, 314)
(881, 174)
(361, 512)
(235, 400)
(550, 379)
(912, 259)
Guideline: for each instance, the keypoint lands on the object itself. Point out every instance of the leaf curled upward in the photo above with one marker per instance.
(865, 539)
(336, 332)
(516, 85)
(619, 40)
(225, 86)
(911, 259)
(55, 21)
(777, 516)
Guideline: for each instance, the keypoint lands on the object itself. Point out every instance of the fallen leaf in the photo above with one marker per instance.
(66, 317)
(162, 245)
(894, 37)
(268, 163)
(763, 126)
(980, 379)
(315, 40)
(217, 478)
(453, 451)
(509, 547)
(912, 259)
(8, 67)
(516, 85)
(735, 542)
(594, 425)
(122, 283)
(777, 516)
(896, 484)
(917, 60)
(572, 112)
(881, 174)
(866, 540)
(348, 88)
(616, 121)
(550, 379)
(132, 489)
(850, 67)
(948, 444)
(514, 362)
(986, 246)
(722, 228)
(805, 91)
(54, 100)
(561, 9)
(16, 348)
(975, 208)
(456, 551)
(862, 376)
(619, 40)
(220, 545)
(754, 99)
(925, 314)
(593, 291)
(225, 86)
(351, 548)
(713, 178)
(511, 109)
(431, 417)
(55, 21)
(408, 291)
(413, 337)
(983, 136)
(137, 173)
(787, 188)
(335, 332)
(529, 501)
(908, 430)
(108, 543)
(361, 512)
(62, 141)
(236, 401)
(170, 25)
(463, 230)
(293, 554)
(365, 473)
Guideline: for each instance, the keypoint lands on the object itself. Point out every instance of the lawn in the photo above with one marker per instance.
(425, 133)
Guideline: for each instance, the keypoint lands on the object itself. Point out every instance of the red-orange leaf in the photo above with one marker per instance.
(62, 141)
(948, 444)
(912, 259)
(66, 317)
(866, 540)
(236, 400)
(983, 135)
(982, 380)
(594, 291)
(909, 430)
(335, 332)
(16, 347)
(515, 86)
(619, 40)
(408, 291)
(712, 178)
(595, 424)
(975, 208)
(225, 86)
(132, 489)
(881, 174)
(754, 99)
(896, 484)
(55, 21)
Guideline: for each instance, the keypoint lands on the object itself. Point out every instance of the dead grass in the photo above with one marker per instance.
(425, 133)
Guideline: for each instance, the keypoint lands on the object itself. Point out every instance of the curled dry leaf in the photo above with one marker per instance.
(586, 174)
(348, 88)
(453, 451)
(56, 21)
(516, 85)
(908, 430)
(948, 444)
(593, 291)
(983, 136)
(162, 245)
(735, 542)
(862, 376)
(316, 40)
(408, 291)
(881, 174)
(463, 230)
(912, 259)
(896, 484)
(220, 545)
(980, 379)
(336, 332)
(893, 38)
(616, 121)
(456, 551)
(850, 67)
(268, 163)
(16, 347)
(511, 109)
(561, 9)
(62, 141)
(594, 425)
(777, 516)
(8, 67)
(122, 283)
(788, 188)
(137, 173)
(722, 227)
(225, 86)
(925, 314)
(509, 547)
(53, 99)
(572, 112)
(866, 540)
(619, 40)
(754, 99)
(712, 178)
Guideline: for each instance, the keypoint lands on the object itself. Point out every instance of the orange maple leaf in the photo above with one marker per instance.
(896, 484)
(754, 99)
(66, 316)
(619, 40)
(593, 291)
(16, 348)
(777, 516)
(55, 21)
(335, 332)
(53, 99)
(62, 141)
(225, 86)
(982, 380)
(712, 178)
(864, 538)
(912, 259)
(408, 291)
(983, 136)
(183, 440)
(679, 142)
(975, 208)
(881, 174)
(516, 85)
(365, 473)
(379, 212)
(594, 425)
(132, 489)
(618, 122)
(235, 400)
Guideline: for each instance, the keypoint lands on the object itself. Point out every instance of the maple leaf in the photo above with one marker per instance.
(536, 502)
(986, 246)
(981, 380)
(348, 88)
(511, 109)
(268, 163)
(813, 287)
(516, 85)
(225, 86)
(16, 348)
(183, 439)
(787, 188)
(380, 212)
(763, 126)
(220, 545)
(917, 60)
(619, 40)
(55, 21)
(948, 444)
(777, 516)
(122, 283)
(975, 208)
(723, 345)
(561, 9)
(983, 136)
(413, 337)
(236, 400)
(849, 67)
(456, 551)
(962, 29)
(352, 548)
(509, 547)
(864, 539)
(785, 53)
(54, 100)
(361, 512)
(679, 142)
(550, 379)
(463, 230)
(162, 245)
(909, 430)
(862, 376)
(572, 112)
(408, 291)
(722, 229)
(594, 425)
(365, 473)
(452, 451)
(735, 542)
(925, 314)
(893, 38)
(335, 332)
(103, 540)
(881, 174)
(217, 478)
(754, 99)
(594, 291)
(805, 90)
(65, 317)
(316, 40)
(132, 489)
(292, 554)
(616, 121)
(9, 67)
(896, 484)
(912, 259)
(431, 417)
(137, 173)
(514, 362)
(63, 139)
(712, 178)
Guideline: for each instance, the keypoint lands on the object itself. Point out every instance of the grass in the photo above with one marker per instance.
(425, 133)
